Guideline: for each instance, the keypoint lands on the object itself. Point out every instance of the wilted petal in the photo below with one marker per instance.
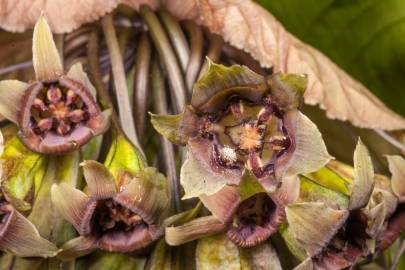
(77, 247)
(309, 153)
(19, 236)
(219, 82)
(363, 177)
(376, 217)
(45, 57)
(260, 257)
(77, 73)
(200, 176)
(99, 180)
(223, 203)
(396, 226)
(397, 168)
(195, 229)
(217, 252)
(288, 89)
(75, 206)
(11, 93)
(313, 224)
(147, 195)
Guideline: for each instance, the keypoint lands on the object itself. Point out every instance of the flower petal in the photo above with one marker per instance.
(245, 233)
(99, 180)
(147, 195)
(195, 229)
(75, 206)
(11, 93)
(199, 176)
(223, 203)
(287, 90)
(45, 57)
(219, 82)
(313, 224)
(363, 183)
(288, 192)
(309, 153)
(77, 247)
(77, 73)
(19, 236)
(397, 168)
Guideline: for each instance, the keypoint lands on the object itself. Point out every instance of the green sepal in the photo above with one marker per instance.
(330, 179)
(249, 186)
(287, 90)
(219, 82)
(169, 126)
(110, 261)
(23, 171)
(311, 191)
(291, 242)
(123, 156)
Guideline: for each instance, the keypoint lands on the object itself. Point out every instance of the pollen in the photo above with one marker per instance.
(250, 137)
(228, 154)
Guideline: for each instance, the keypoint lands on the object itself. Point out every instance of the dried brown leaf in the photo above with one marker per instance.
(261, 35)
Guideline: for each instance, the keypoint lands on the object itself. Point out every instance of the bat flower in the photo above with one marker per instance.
(248, 214)
(19, 236)
(336, 231)
(56, 113)
(240, 120)
(121, 214)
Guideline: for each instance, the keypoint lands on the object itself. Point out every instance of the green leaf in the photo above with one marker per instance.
(123, 156)
(330, 179)
(366, 38)
(311, 192)
(22, 173)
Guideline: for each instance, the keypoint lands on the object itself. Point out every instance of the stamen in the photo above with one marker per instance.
(54, 94)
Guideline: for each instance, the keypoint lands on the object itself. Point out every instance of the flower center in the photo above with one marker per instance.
(255, 211)
(112, 216)
(58, 110)
(247, 133)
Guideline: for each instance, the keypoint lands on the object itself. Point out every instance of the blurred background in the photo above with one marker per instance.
(364, 37)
